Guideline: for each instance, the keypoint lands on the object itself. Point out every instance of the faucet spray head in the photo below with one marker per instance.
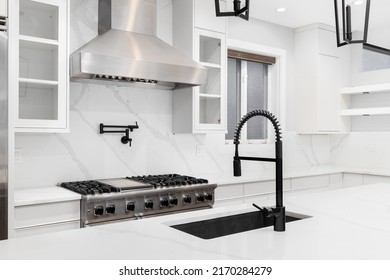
(236, 167)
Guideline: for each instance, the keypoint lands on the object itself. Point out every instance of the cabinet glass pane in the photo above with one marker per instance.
(210, 50)
(213, 85)
(210, 110)
(38, 61)
(38, 101)
(38, 20)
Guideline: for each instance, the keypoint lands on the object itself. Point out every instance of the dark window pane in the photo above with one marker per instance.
(257, 99)
(233, 93)
(256, 96)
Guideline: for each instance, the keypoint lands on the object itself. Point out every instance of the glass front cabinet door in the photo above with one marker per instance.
(40, 92)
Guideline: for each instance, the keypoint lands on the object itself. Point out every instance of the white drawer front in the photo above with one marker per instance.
(351, 180)
(28, 231)
(229, 192)
(40, 214)
(318, 181)
(264, 187)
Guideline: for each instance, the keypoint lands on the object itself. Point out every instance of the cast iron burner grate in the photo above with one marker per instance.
(168, 180)
(89, 187)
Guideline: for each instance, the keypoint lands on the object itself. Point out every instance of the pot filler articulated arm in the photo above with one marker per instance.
(127, 129)
(278, 212)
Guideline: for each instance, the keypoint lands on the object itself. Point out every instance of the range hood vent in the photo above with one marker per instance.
(128, 52)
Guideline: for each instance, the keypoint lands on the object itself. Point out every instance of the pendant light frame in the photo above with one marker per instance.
(347, 28)
(238, 11)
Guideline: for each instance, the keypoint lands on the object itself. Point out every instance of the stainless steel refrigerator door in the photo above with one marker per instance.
(3, 135)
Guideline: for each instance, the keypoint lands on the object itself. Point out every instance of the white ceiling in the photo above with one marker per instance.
(303, 12)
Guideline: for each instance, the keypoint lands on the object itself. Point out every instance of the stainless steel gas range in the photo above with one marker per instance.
(110, 200)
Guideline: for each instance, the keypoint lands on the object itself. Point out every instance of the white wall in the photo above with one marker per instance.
(48, 159)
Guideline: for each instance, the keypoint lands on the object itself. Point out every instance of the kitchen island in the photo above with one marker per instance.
(348, 223)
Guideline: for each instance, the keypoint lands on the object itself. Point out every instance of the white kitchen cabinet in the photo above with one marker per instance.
(200, 109)
(317, 101)
(375, 179)
(352, 179)
(229, 194)
(46, 217)
(39, 36)
(42, 229)
(309, 182)
(3, 8)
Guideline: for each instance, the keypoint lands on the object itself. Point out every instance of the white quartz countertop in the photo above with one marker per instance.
(351, 223)
(29, 196)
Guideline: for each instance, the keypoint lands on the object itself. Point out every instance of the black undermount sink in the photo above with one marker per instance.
(222, 226)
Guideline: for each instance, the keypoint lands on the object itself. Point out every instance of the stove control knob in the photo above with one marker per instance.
(164, 202)
(200, 197)
(98, 210)
(149, 204)
(173, 201)
(187, 199)
(110, 208)
(208, 196)
(130, 207)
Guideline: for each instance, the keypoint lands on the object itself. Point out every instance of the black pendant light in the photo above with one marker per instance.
(351, 11)
(242, 12)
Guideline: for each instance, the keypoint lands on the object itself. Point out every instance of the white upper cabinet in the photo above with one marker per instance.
(317, 101)
(40, 53)
(199, 34)
(3, 8)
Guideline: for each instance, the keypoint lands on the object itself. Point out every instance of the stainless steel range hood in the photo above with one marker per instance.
(128, 52)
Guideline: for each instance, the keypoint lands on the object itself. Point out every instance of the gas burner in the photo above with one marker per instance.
(89, 187)
(168, 180)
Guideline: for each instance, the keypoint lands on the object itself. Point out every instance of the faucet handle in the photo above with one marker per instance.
(266, 211)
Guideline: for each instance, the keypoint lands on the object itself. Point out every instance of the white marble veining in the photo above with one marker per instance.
(361, 150)
(352, 223)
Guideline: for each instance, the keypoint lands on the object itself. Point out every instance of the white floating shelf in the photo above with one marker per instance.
(378, 88)
(210, 65)
(36, 83)
(205, 95)
(37, 42)
(366, 111)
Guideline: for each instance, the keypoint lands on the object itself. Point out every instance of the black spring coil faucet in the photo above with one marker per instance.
(278, 212)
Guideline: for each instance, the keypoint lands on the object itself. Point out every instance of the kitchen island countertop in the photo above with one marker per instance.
(352, 223)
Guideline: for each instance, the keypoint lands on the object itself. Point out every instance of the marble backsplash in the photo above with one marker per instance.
(83, 153)
(366, 150)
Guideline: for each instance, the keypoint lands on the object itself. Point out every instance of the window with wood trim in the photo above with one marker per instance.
(247, 91)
